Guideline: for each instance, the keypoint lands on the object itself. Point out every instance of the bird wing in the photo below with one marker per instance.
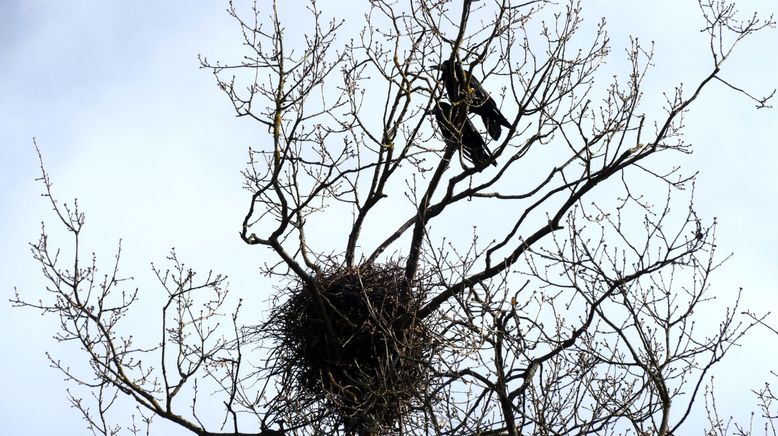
(483, 104)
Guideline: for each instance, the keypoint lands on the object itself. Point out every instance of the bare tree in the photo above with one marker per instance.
(551, 286)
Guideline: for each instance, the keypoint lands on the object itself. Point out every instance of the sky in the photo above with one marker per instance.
(128, 123)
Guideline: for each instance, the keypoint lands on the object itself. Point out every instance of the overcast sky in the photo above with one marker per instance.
(129, 124)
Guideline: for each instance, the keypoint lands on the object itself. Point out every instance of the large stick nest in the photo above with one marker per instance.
(352, 343)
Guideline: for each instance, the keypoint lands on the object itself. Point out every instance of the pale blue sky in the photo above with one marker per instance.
(130, 125)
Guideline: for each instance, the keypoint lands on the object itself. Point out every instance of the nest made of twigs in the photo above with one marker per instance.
(351, 341)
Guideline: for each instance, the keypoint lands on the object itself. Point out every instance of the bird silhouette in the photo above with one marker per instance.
(462, 86)
(472, 145)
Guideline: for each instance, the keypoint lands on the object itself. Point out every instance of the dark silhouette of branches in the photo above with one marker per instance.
(553, 284)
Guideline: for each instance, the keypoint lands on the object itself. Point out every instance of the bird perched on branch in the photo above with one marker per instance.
(461, 86)
(472, 145)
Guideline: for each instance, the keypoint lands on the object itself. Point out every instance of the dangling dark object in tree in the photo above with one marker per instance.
(472, 145)
(462, 86)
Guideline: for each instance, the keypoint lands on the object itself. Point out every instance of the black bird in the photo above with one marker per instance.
(478, 100)
(473, 147)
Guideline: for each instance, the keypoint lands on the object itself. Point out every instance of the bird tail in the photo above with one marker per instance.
(478, 155)
(492, 126)
(503, 120)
